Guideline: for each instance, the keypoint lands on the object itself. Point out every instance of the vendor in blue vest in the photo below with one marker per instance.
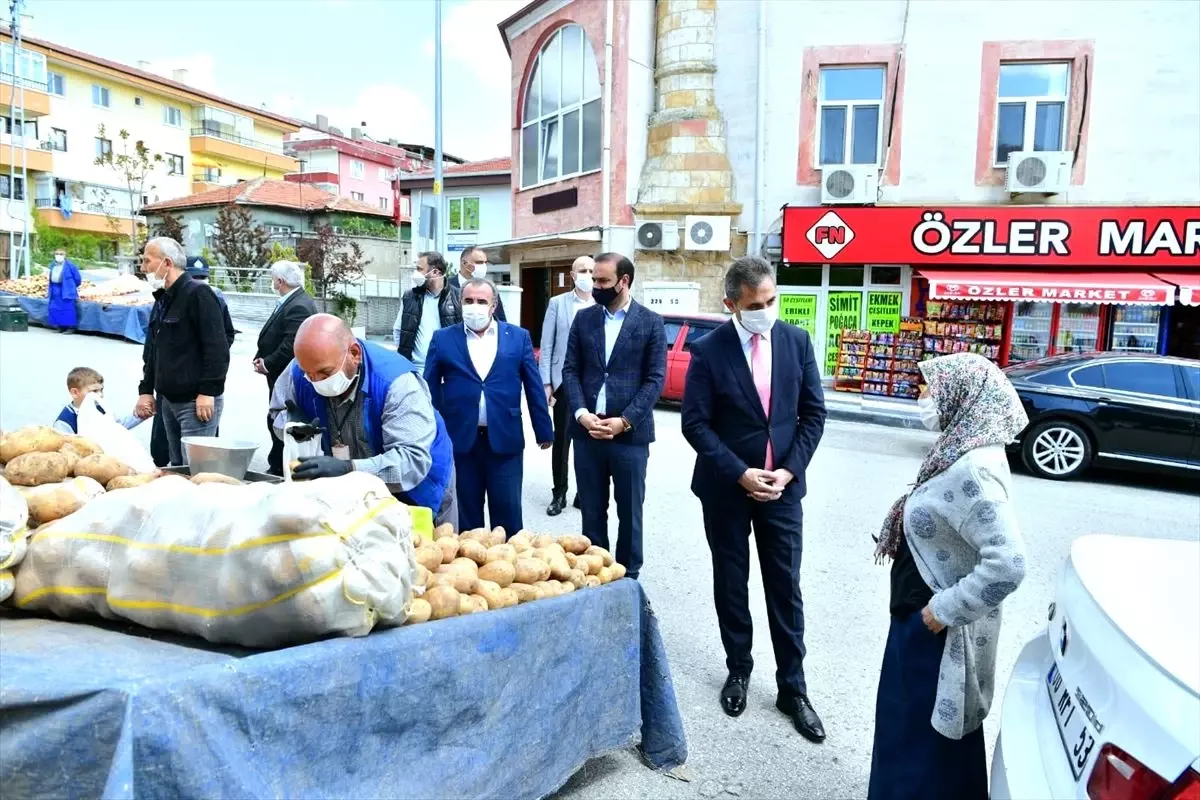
(376, 411)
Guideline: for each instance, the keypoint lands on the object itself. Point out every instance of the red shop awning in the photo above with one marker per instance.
(1117, 288)
(1188, 283)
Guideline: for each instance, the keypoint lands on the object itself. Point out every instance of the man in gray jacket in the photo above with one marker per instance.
(556, 328)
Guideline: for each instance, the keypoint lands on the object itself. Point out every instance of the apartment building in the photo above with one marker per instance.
(357, 167)
(204, 141)
(844, 139)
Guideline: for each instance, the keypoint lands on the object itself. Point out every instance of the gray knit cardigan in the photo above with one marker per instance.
(964, 538)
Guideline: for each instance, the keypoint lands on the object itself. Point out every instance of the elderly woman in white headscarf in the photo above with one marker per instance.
(957, 553)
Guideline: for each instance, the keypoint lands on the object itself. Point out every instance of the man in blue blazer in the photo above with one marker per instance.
(475, 373)
(614, 373)
(754, 413)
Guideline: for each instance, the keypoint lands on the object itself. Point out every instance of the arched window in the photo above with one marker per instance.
(560, 124)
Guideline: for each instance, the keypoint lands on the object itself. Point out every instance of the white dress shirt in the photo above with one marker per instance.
(613, 320)
(576, 305)
(482, 348)
(431, 322)
(764, 345)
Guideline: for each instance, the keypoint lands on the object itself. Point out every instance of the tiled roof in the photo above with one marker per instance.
(284, 122)
(274, 194)
(490, 165)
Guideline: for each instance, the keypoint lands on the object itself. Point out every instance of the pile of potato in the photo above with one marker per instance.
(479, 571)
(37, 286)
(58, 473)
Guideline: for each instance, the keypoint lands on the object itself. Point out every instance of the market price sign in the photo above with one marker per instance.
(845, 311)
(883, 311)
(799, 310)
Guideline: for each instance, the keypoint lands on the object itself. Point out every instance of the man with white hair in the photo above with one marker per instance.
(186, 355)
(278, 334)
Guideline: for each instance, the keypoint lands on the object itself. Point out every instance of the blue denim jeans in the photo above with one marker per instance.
(179, 420)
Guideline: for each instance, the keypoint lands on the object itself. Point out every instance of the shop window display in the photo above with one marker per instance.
(1078, 328)
(963, 327)
(1135, 329)
(1031, 331)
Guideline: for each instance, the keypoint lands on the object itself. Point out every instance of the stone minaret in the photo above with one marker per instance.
(687, 170)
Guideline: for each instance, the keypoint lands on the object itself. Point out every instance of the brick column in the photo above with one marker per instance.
(687, 170)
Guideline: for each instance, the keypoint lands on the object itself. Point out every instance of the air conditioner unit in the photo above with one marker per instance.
(663, 235)
(706, 233)
(1045, 172)
(849, 185)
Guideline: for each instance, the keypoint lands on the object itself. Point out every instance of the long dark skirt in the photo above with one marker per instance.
(911, 759)
(61, 312)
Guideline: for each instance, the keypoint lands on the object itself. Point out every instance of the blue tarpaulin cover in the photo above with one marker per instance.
(508, 703)
(129, 322)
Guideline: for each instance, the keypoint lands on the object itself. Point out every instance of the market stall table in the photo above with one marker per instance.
(504, 704)
(129, 322)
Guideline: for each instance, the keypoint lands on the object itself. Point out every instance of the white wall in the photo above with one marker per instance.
(495, 217)
(1144, 131)
(320, 160)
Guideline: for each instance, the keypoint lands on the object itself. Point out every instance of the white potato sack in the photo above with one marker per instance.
(260, 565)
(7, 584)
(14, 525)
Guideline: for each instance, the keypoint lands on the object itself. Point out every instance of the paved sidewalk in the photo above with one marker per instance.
(855, 407)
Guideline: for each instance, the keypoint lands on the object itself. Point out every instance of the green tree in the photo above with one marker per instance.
(134, 164)
(334, 260)
(241, 243)
(171, 226)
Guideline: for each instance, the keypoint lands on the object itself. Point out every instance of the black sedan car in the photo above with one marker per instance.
(1111, 409)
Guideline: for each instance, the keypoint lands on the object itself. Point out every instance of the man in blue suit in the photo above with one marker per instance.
(614, 373)
(475, 373)
(754, 412)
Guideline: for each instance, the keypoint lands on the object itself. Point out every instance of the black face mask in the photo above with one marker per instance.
(605, 297)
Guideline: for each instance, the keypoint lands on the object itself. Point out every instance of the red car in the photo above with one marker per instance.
(682, 330)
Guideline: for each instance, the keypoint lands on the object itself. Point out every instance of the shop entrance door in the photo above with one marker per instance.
(1183, 338)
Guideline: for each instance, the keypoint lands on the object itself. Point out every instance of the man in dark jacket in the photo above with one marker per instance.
(473, 263)
(186, 356)
(277, 337)
(432, 304)
(614, 373)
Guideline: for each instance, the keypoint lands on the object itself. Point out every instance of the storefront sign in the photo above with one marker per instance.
(883, 311)
(845, 311)
(799, 310)
(1004, 236)
(1097, 287)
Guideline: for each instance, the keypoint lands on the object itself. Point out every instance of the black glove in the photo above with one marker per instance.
(313, 467)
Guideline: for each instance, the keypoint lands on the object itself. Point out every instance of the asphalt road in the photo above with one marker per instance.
(858, 471)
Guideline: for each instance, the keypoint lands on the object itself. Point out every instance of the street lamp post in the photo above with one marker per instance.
(440, 217)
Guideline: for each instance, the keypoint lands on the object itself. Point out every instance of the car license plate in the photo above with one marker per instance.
(1076, 733)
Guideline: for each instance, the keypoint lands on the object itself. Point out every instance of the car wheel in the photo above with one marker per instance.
(1057, 450)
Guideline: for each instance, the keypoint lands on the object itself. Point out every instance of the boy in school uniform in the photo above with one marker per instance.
(81, 382)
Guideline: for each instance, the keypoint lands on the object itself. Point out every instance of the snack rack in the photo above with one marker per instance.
(851, 361)
(963, 327)
(892, 359)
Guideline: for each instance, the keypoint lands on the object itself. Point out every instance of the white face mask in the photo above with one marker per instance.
(156, 282)
(760, 320)
(419, 279)
(335, 385)
(584, 283)
(480, 271)
(931, 418)
(476, 317)
(59, 258)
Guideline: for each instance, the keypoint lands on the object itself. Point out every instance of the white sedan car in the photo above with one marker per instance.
(1106, 705)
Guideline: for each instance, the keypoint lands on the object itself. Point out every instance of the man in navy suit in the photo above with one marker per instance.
(615, 368)
(475, 373)
(754, 412)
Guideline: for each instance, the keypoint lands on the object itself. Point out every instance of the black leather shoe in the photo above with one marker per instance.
(576, 503)
(556, 505)
(733, 695)
(804, 717)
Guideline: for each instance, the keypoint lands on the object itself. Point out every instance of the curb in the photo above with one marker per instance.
(843, 414)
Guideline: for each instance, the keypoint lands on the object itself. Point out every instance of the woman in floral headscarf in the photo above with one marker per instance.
(956, 554)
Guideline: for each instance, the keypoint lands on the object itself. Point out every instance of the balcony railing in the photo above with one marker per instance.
(7, 78)
(50, 144)
(84, 208)
(229, 137)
